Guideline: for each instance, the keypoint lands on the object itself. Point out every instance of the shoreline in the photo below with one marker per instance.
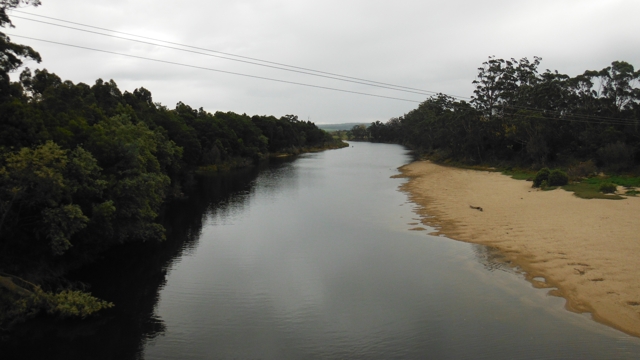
(588, 251)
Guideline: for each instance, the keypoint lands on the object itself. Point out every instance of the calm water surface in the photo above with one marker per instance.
(314, 259)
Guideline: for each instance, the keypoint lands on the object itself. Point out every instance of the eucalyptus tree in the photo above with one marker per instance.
(12, 54)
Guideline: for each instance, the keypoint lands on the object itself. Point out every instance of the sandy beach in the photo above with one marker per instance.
(587, 250)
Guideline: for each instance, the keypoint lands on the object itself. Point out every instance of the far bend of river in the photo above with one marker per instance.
(312, 258)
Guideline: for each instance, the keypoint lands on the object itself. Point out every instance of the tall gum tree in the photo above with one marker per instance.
(12, 54)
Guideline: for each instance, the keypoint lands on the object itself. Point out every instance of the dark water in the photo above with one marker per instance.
(314, 259)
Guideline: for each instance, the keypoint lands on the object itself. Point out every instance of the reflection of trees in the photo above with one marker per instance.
(131, 276)
(492, 258)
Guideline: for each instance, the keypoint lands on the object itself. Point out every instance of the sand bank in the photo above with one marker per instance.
(588, 249)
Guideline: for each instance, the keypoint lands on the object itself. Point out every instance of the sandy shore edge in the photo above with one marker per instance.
(587, 250)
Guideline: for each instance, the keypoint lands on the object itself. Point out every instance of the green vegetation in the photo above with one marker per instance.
(83, 168)
(546, 178)
(358, 132)
(632, 192)
(626, 181)
(589, 191)
(523, 118)
(604, 187)
(582, 170)
(339, 127)
(21, 299)
(541, 177)
(519, 174)
(558, 178)
(607, 188)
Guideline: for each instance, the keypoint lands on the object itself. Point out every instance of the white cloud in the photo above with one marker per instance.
(432, 45)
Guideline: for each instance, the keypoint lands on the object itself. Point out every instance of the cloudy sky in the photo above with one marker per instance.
(432, 45)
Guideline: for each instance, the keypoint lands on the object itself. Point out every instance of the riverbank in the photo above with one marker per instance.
(588, 250)
(242, 162)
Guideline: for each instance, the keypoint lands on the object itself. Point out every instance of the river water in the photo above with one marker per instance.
(313, 258)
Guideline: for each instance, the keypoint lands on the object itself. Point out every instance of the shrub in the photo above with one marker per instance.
(583, 169)
(541, 176)
(76, 303)
(608, 188)
(558, 178)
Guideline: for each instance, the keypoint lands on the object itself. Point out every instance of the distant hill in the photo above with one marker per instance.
(336, 127)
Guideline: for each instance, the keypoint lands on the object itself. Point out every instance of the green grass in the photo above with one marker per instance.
(586, 190)
(589, 188)
(626, 181)
(632, 192)
(520, 174)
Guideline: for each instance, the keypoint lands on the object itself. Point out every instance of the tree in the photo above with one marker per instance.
(358, 132)
(11, 54)
(37, 192)
(617, 86)
(134, 160)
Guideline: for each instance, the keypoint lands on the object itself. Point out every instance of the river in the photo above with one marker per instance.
(314, 258)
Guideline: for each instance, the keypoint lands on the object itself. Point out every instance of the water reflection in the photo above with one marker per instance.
(132, 275)
(313, 259)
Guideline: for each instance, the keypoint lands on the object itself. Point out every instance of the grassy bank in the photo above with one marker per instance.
(588, 185)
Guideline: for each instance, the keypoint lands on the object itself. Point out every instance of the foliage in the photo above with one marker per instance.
(37, 189)
(11, 54)
(359, 132)
(607, 188)
(590, 188)
(632, 192)
(16, 308)
(627, 181)
(69, 303)
(589, 191)
(616, 156)
(558, 178)
(519, 174)
(583, 169)
(542, 175)
(522, 116)
(84, 167)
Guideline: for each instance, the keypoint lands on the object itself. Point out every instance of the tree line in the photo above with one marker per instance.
(523, 116)
(84, 167)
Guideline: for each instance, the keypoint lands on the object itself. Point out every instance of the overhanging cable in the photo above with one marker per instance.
(227, 58)
(239, 56)
(215, 70)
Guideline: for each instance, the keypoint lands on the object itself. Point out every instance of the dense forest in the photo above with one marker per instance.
(83, 168)
(520, 116)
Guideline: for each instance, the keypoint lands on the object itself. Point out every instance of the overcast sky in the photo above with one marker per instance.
(426, 44)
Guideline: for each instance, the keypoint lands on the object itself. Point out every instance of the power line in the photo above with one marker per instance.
(588, 117)
(614, 121)
(216, 70)
(227, 58)
(582, 118)
(579, 116)
(585, 121)
(371, 82)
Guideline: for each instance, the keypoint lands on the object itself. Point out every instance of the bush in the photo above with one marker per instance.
(584, 169)
(558, 178)
(541, 176)
(70, 303)
(608, 188)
